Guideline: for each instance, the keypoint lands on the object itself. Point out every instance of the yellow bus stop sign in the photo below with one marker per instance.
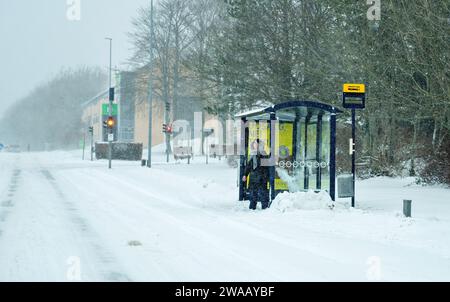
(354, 96)
(354, 88)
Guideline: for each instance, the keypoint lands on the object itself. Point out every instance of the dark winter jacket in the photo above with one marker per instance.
(259, 175)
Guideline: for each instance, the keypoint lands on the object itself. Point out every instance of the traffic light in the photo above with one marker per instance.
(111, 94)
(167, 129)
(91, 130)
(109, 123)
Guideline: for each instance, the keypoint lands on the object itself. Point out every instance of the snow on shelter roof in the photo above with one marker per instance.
(252, 112)
(264, 113)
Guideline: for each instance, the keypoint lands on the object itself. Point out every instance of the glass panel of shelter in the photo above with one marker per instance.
(304, 159)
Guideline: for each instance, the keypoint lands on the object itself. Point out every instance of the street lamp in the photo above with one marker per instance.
(150, 91)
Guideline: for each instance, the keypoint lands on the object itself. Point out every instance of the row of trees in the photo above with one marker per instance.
(236, 54)
(50, 116)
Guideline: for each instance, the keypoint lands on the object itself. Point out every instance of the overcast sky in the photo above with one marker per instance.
(37, 39)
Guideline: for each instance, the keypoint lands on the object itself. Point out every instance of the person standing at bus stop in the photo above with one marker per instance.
(257, 170)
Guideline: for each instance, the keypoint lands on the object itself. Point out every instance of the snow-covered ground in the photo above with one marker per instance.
(63, 219)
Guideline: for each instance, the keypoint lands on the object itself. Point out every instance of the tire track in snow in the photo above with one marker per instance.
(7, 203)
(110, 270)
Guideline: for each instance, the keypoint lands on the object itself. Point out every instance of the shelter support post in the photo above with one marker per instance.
(306, 184)
(273, 153)
(333, 157)
(243, 157)
(319, 152)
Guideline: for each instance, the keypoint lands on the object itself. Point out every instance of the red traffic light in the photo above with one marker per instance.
(168, 129)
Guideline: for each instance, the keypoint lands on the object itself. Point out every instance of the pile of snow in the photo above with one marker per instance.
(310, 200)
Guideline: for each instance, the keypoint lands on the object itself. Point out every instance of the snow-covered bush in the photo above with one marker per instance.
(120, 151)
(437, 166)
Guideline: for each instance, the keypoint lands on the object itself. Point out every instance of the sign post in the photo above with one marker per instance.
(110, 105)
(91, 132)
(353, 149)
(207, 133)
(84, 143)
(354, 97)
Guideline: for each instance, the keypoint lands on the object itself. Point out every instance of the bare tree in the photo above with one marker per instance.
(173, 32)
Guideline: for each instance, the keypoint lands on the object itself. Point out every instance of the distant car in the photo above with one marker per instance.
(2, 147)
(13, 149)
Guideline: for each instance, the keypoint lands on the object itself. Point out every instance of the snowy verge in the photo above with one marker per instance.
(310, 200)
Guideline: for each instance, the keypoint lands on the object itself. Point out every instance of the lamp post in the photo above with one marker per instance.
(150, 92)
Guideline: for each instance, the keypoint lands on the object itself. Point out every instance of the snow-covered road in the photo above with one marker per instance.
(63, 219)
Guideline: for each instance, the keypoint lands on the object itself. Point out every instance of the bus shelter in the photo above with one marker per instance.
(300, 137)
